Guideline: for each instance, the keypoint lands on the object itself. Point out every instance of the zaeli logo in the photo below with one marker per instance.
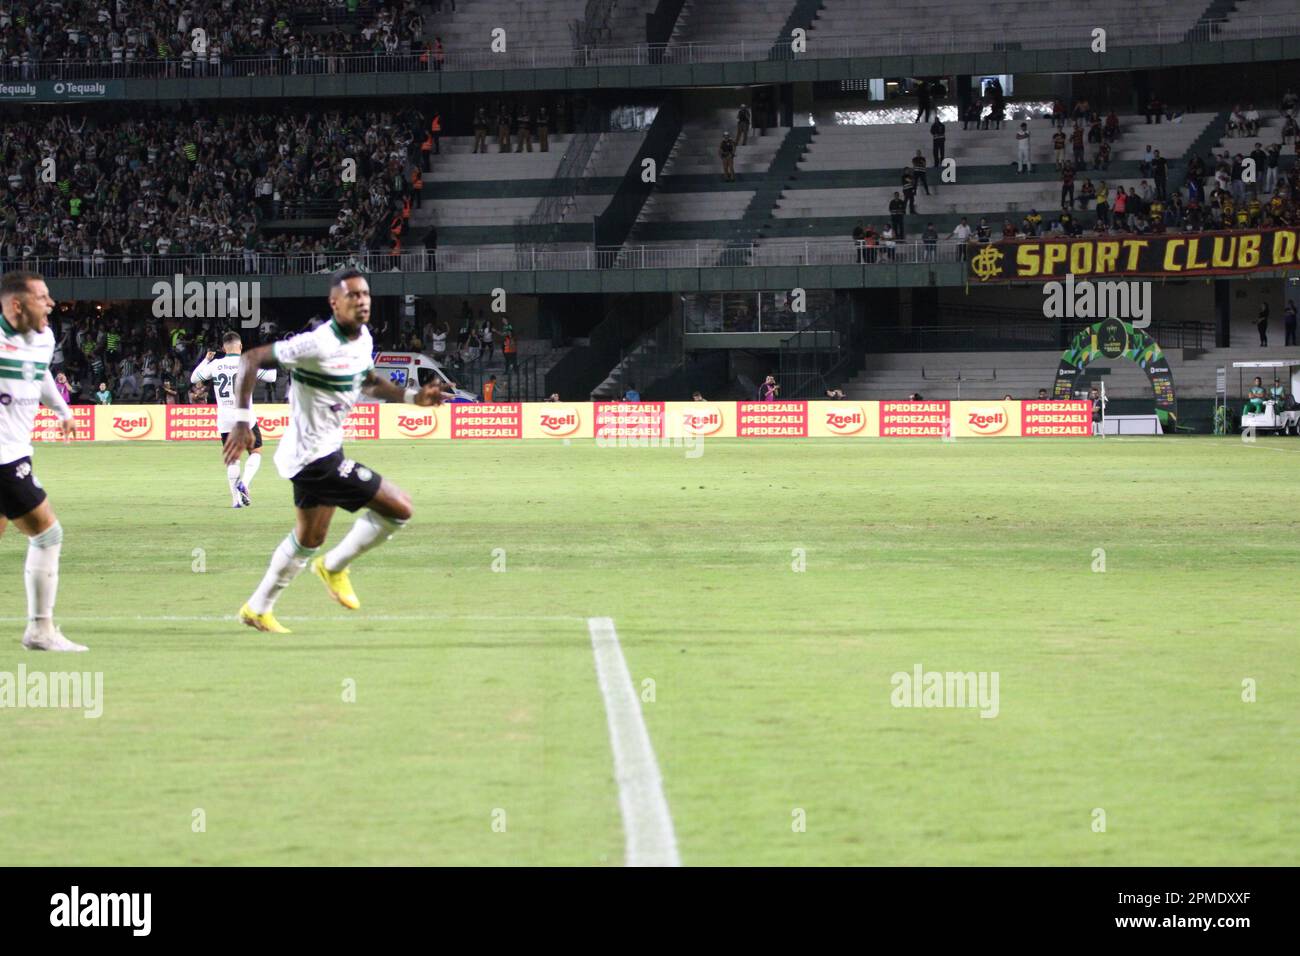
(417, 426)
(846, 421)
(561, 422)
(987, 421)
(273, 426)
(135, 426)
(707, 421)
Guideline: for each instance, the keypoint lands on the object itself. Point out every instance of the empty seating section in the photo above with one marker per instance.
(969, 23)
(725, 21)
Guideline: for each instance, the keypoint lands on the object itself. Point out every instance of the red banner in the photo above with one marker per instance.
(47, 427)
(192, 423)
(915, 419)
(629, 419)
(491, 420)
(1055, 419)
(772, 419)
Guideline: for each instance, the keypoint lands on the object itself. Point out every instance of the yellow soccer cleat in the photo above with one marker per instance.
(337, 583)
(263, 622)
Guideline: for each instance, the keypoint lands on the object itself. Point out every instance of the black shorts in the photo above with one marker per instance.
(257, 437)
(20, 491)
(335, 480)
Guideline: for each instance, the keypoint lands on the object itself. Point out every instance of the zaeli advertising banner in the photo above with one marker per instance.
(1173, 256)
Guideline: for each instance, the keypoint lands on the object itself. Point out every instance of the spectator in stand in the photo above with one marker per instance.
(769, 391)
(489, 389)
(919, 173)
(962, 235)
(938, 136)
(1111, 131)
(924, 103)
(931, 239)
(510, 348)
(909, 192)
(727, 153)
(1058, 148)
(897, 208)
(1076, 142)
(103, 396)
(1289, 320)
(1252, 120)
(1160, 173)
(1067, 185)
(632, 395)
(1155, 110)
(480, 130)
(1023, 159)
(742, 125)
(543, 130)
(1261, 322)
(859, 242)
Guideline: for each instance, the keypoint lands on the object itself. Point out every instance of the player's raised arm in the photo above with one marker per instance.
(52, 400)
(200, 373)
(380, 387)
(240, 438)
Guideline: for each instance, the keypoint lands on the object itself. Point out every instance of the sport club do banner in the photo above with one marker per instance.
(612, 423)
(1176, 255)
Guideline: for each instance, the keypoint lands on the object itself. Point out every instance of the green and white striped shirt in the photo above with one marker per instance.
(326, 369)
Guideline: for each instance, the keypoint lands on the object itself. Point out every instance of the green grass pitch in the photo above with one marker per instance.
(1120, 691)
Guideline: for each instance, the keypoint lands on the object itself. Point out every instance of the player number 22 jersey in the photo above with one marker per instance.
(221, 373)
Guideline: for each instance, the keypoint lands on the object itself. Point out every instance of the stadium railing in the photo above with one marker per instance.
(645, 54)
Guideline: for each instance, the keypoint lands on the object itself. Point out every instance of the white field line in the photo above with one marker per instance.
(647, 825)
(308, 617)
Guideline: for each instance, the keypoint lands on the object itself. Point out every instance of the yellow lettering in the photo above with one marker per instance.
(1249, 255)
(1283, 247)
(1134, 249)
(1221, 259)
(1028, 262)
(1193, 247)
(1081, 258)
(1170, 248)
(1107, 256)
(1053, 255)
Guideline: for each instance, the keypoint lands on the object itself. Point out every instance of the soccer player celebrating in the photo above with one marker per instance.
(221, 372)
(330, 366)
(26, 346)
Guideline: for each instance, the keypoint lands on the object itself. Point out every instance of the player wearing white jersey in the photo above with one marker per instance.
(330, 367)
(221, 372)
(26, 347)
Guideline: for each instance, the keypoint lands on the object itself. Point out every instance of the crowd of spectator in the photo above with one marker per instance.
(1254, 188)
(103, 356)
(82, 188)
(133, 37)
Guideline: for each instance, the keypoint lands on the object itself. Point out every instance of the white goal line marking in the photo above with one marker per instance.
(647, 825)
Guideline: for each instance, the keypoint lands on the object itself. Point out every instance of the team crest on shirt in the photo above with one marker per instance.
(346, 466)
(23, 470)
(29, 371)
(364, 473)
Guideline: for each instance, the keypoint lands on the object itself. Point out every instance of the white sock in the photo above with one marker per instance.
(370, 530)
(251, 464)
(232, 478)
(287, 561)
(42, 572)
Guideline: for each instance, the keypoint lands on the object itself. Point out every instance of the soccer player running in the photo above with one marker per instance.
(26, 346)
(330, 366)
(221, 372)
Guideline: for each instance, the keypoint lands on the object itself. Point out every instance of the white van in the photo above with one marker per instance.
(412, 369)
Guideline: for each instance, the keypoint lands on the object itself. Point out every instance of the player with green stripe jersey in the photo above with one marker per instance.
(26, 346)
(330, 367)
